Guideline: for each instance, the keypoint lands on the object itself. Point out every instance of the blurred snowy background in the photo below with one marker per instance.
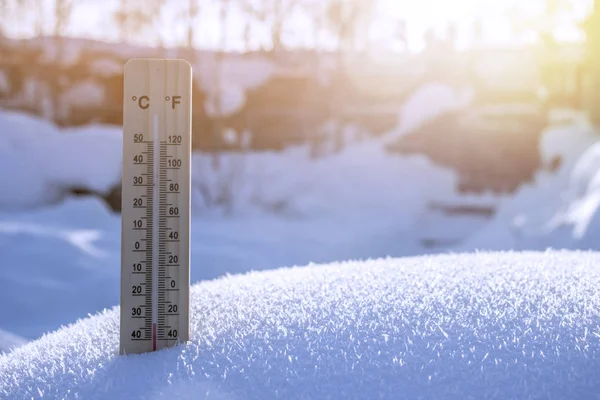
(322, 131)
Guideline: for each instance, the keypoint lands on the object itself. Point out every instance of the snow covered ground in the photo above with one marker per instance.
(559, 209)
(264, 210)
(9, 342)
(39, 163)
(487, 325)
(281, 209)
(68, 254)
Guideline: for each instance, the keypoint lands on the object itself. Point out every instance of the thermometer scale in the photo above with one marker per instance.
(155, 231)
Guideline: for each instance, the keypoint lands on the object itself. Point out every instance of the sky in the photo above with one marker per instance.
(92, 18)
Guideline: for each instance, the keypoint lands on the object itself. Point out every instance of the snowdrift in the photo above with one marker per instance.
(41, 164)
(9, 341)
(50, 162)
(487, 325)
(560, 209)
(256, 211)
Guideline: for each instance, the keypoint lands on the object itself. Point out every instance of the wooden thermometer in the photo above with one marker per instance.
(155, 231)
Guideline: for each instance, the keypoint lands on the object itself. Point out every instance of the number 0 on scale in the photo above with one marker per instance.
(155, 232)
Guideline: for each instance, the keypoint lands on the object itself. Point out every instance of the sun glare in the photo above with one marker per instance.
(502, 21)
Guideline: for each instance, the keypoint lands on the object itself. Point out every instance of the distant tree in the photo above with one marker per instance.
(401, 34)
(342, 17)
(592, 29)
(478, 31)
(40, 16)
(247, 34)
(348, 21)
(62, 15)
(192, 17)
(280, 10)
(224, 9)
(451, 36)
(4, 13)
(63, 10)
(273, 14)
(133, 17)
(217, 132)
(316, 12)
(188, 16)
(11, 10)
(431, 40)
(254, 14)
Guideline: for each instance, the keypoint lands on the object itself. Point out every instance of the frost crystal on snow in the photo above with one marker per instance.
(480, 326)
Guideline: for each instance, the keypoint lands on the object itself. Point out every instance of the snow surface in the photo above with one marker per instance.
(291, 183)
(72, 251)
(258, 211)
(487, 325)
(394, 325)
(560, 209)
(57, 264)
(300, 186)
(44, 163)
(429, 101)
(568, 141)
(255, 211)
(9, 341)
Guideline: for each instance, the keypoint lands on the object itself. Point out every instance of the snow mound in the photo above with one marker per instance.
(43, 163)
(89, 157)
(567, 142)
(297, 185)
(487, 325)
(560, 208)
(428, 102)
(9, 341)
(24, 184)
(578, 218)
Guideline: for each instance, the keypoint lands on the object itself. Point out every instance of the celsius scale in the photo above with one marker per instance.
(155, 231)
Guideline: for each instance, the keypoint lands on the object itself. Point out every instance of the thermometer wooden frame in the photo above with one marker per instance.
(155, 232)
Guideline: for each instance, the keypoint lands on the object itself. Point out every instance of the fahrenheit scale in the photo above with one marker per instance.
(155, 231)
